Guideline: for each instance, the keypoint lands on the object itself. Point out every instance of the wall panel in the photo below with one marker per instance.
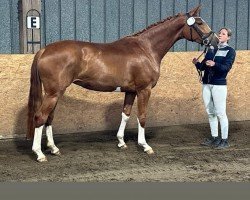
(109, 20)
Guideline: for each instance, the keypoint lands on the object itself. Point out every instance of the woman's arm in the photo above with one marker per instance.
(201, 65)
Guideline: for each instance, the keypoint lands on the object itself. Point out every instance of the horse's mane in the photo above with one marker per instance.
(156, 24)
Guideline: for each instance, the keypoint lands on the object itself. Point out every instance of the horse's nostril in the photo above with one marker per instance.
(206, 41)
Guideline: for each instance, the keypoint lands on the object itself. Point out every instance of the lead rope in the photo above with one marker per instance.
(199, 71)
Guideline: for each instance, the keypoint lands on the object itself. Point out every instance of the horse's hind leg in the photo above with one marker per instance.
(36, 147)
(142, 99)
(127, 107)
(49, 134)
(41, 116)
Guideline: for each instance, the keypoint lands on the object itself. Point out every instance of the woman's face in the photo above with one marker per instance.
(223, 36)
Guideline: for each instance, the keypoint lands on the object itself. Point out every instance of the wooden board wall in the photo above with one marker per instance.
(26, 34)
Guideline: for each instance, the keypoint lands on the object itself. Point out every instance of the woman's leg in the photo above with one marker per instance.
(210, 108)
(219, 93)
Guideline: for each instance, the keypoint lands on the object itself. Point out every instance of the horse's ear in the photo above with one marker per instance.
(195, 11)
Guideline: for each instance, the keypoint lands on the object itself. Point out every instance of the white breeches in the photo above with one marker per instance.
(214, 97)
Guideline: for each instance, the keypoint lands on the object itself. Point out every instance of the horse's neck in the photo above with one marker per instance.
(163, 36)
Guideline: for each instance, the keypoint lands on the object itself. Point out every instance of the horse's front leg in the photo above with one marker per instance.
(142, 101)
(36, 147)
(127, 107)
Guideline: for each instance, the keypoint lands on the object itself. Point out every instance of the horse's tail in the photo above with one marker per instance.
(35, 95)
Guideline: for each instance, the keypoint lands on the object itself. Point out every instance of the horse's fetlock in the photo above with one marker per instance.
(37, 151)
(140, 144)
(119, 137)
(49, 145)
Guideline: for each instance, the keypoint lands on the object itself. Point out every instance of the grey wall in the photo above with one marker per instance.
(9, 26)
(109, 20)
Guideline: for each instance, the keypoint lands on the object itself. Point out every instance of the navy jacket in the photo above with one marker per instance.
(224, 58)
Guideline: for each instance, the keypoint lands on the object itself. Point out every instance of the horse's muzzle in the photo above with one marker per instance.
(211, 40)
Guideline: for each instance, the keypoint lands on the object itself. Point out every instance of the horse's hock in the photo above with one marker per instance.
(176, 99)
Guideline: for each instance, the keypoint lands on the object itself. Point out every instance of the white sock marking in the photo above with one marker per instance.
(141, 137)
(50, 140)
(120, 134)
(36, 147)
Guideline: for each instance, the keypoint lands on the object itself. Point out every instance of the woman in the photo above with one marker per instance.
(216, 65)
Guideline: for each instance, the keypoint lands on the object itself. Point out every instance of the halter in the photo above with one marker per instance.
(192, 25)
(205, 37)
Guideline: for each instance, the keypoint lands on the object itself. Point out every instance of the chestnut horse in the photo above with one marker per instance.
(130, 65)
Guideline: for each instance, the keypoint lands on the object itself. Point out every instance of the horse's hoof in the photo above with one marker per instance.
(150, 152)
(57, 153)
(124, 146)
(43, 159)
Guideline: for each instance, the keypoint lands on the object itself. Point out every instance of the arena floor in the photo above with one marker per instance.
(94, 157)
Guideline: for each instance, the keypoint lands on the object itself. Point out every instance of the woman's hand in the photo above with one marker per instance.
(210, 63)
(195, 60)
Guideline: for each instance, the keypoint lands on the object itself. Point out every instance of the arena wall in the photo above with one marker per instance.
(175, 100)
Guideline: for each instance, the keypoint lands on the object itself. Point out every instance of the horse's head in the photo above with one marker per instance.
(196, 29)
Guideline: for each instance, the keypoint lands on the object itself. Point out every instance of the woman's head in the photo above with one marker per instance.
(224, 34)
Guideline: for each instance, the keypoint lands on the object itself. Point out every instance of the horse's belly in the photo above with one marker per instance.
(103, 87)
